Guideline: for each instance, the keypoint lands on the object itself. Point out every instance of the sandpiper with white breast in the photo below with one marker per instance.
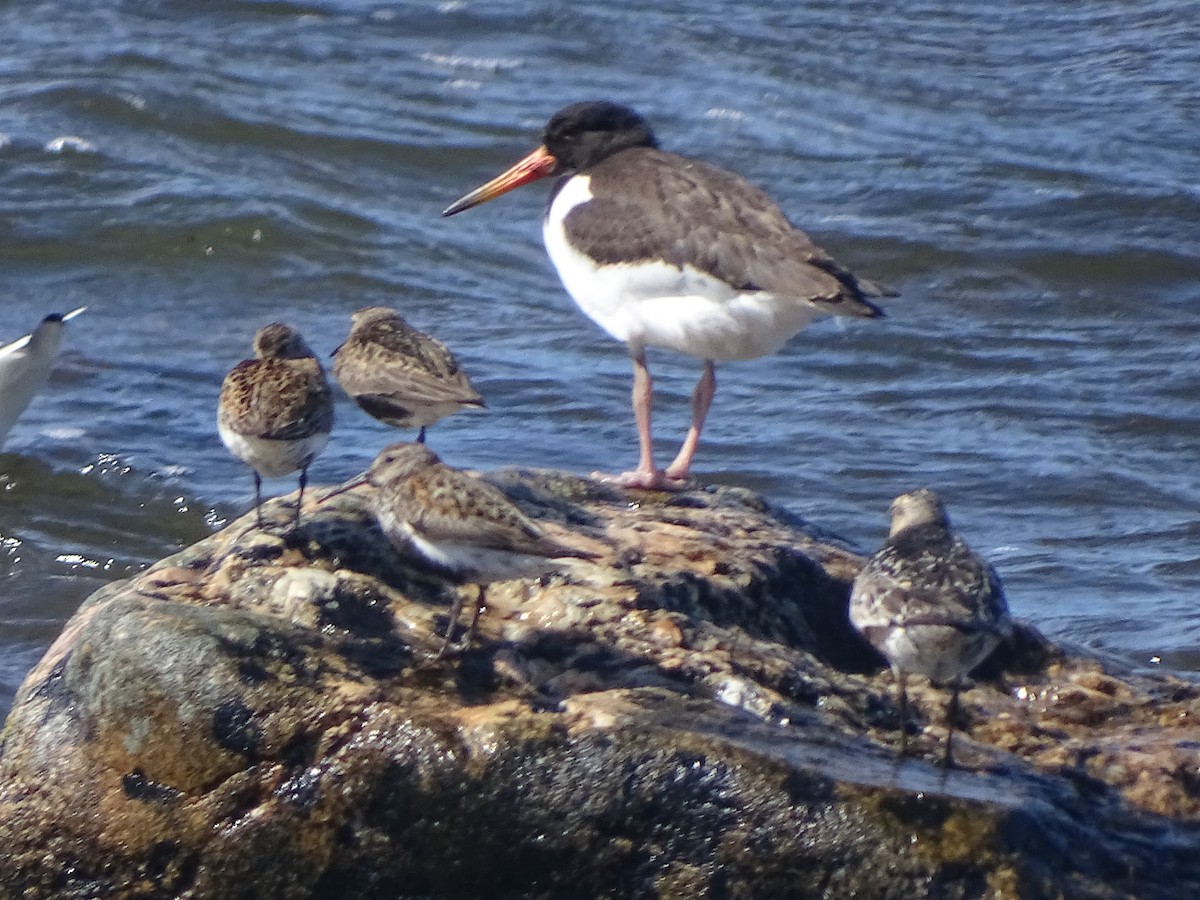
(25, 367)
(929, 603)
(399, 375)
(276, 410)
(662, 250)
(457, 525)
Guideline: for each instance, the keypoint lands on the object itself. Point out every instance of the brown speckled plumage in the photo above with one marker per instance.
(275, 411)
(399, 375)
(927, 602)
(653, 205)
(458, 525)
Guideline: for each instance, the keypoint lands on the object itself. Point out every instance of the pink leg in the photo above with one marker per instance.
(645, 475)
(702, 398)
(643, 407)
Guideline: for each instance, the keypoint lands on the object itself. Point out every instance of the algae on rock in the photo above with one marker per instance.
(690, 715)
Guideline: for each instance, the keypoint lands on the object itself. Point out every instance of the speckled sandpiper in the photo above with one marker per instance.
(399, 375)
(25, 367)
(276, 410)
(457, 525)
(662, 250)
(929, 603)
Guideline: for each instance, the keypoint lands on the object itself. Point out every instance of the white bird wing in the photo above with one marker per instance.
(22, 374)
(16, 346)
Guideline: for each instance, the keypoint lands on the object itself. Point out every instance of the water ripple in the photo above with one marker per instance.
(1026, 174)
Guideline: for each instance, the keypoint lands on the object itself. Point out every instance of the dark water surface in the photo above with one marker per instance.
(1025, 172)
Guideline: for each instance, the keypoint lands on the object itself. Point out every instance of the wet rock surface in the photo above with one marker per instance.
(689, 715)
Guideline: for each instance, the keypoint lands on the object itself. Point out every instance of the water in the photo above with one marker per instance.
(1026, 173)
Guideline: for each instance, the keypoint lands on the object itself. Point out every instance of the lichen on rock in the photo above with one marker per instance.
(691, 714)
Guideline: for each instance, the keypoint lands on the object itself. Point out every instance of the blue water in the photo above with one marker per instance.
(1025, 173)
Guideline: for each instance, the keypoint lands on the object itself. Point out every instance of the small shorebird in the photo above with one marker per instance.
(457, 525)
(399, 375)
(276, 410)
(929, 603)
(661, 250)
(25, 367)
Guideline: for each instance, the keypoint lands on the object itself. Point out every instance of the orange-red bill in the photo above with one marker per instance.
(537, 164)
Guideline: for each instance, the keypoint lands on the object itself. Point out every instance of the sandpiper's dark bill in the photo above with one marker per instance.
(456, 524)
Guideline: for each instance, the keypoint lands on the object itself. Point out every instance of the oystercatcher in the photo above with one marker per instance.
(661, 250)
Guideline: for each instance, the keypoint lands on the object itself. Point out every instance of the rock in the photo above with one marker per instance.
(691, 715)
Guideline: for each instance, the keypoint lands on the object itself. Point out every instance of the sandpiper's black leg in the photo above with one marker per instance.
(455, 611)
(902, 701)
(951, 721)
(480, 601)
(258, 498)
(421, 435)
(300, 498)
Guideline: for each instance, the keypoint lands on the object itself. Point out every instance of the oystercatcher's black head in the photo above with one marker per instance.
(583, 134)
(576, 137)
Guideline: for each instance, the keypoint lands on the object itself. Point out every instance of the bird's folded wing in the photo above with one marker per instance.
(453, 506)
(692, 214)
(299, 406)
(412, 386)
(11, 349)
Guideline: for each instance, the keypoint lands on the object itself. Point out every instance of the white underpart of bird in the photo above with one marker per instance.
(25, 366)
(673, 307)
(666, 251)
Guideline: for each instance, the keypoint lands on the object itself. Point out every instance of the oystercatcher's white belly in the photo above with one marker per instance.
(653, 304)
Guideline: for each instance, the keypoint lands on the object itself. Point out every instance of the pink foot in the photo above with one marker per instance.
(658, 480)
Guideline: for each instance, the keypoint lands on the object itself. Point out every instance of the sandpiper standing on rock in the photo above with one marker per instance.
(929, 603)
(276, 410)
(457, 525)
(661, 250)
(399, 375)
(25, 367)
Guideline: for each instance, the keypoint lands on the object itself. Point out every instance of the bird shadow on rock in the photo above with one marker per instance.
(699, 687)
(553, 496)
